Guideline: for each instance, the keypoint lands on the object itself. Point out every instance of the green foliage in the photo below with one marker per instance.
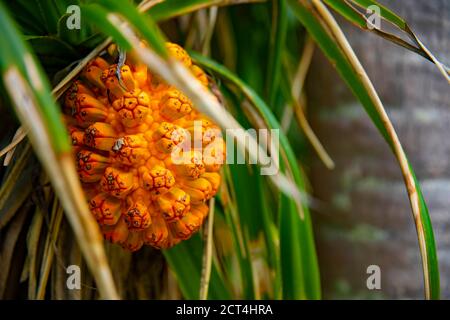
(255, 216)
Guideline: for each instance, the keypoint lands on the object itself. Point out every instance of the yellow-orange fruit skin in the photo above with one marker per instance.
(129, 136)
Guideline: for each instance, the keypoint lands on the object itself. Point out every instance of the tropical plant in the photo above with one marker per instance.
(258, 240)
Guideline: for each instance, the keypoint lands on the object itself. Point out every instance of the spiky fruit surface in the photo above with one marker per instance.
(125, 134)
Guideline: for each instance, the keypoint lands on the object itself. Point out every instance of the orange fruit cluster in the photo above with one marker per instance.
(124, 132)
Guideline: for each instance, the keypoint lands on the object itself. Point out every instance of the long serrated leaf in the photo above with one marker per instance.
(174, 8)
(384, 12)
(276, 46)
(235, 219)
(327, 34)
(346, 9)
(301, 274)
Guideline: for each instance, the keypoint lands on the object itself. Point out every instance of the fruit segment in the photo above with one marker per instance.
(91, 165)
(106, 209)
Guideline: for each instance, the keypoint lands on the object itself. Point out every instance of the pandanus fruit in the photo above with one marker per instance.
(125, 123)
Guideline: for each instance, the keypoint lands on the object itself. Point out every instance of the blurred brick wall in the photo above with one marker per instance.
(368, 218)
